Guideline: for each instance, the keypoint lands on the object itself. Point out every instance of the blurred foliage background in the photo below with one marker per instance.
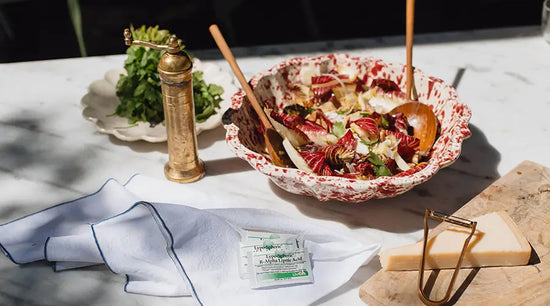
(37, 30)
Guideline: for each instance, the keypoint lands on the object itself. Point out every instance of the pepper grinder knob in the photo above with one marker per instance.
(175, 71)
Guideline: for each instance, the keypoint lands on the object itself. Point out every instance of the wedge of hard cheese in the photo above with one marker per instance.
(496, 242)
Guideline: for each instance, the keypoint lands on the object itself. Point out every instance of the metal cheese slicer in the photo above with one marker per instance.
(430, 214)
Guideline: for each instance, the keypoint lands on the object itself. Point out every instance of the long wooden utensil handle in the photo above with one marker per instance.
(224, 48)
(409, 36)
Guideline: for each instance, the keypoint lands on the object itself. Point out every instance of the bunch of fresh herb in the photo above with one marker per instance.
(139, 90)
(207, 97)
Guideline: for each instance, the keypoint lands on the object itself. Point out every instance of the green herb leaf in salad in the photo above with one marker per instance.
(384, 121)
(139, 91)
(380, 168)
(338, 129)
(368, 142)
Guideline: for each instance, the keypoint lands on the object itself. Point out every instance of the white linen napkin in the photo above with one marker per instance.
(23, 240)
(176, 250)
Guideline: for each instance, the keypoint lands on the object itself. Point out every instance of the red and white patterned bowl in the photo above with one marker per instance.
(270, 86)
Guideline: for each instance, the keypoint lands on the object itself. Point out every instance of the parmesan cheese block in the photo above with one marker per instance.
(497, 241)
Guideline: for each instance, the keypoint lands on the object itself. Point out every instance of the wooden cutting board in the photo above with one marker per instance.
(524, 193)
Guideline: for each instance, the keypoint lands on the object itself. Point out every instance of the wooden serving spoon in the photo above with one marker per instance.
(419, 115)
(273, 140)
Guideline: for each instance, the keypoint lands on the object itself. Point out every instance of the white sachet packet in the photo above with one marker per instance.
(279, 267)
(253, 242)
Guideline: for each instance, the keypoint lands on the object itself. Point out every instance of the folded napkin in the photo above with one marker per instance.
(177, 250)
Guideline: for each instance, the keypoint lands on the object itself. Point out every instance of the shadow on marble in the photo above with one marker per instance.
(447, 191)
(25, 144)
(226, 165)
(36, 284)
(207, 138)
(13, 210)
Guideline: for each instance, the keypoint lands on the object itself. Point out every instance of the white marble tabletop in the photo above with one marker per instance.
(50, 154)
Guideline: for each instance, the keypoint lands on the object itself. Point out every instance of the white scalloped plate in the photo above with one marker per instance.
(100, 102)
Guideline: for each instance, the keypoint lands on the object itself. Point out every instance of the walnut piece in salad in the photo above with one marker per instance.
(337, 125)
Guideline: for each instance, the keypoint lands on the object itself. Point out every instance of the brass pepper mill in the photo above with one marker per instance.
(175, 69)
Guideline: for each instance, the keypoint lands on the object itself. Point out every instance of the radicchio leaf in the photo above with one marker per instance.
(317, 133)
(385, 84)
(326, 171)
(321, 80)
(408, 145)
(381, 119)
(399, 123)
(286, 126)
(322, 85)
(311, 130)
(365, 168)
(390, 164)
(338, 155)
(366, 128)
(290, 121)
(359, 88)
(348, 140)
(315, 160)
(323, 120)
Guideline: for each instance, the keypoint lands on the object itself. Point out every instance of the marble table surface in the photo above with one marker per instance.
(50, 154)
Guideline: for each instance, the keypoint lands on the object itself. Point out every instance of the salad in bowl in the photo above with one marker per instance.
(333, 112)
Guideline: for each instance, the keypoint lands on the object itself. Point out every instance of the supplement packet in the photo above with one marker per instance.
(257, 241)
(276, 268)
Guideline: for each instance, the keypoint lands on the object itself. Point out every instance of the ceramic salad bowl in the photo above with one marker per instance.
(273, 87)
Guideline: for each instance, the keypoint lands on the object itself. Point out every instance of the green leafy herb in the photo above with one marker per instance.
(380, 168)
(139, 91)
(338, 129)
(207, 97)
(384, 122)
(368, 143)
